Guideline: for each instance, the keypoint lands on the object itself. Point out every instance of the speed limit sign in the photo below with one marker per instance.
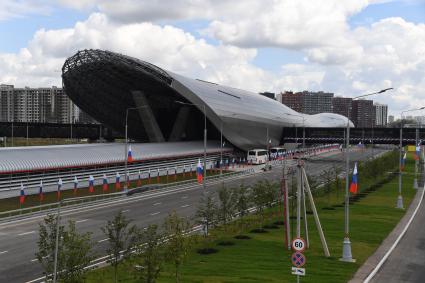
(298, 244)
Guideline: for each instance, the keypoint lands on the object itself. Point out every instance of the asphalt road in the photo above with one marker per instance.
(407, 261)
(18, 241)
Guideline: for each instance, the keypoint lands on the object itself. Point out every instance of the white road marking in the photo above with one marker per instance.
(100, 241)
(186, 205)
(3, 252)
(158, 203)
(26, 233)
(81, 221)
(34, 260)
(127, 210)
(183, 197)
(155, 213)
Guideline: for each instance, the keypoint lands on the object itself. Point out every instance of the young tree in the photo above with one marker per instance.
(242, 201)
(150, 251)
(121, 238)
(226, 207)
(206, 212)
(77, 254)
(178, 243)
(328, 177)
(47, 243)
(337, 171)
(258, 199)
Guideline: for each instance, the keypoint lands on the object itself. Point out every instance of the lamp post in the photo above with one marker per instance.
(205, 139)
(346, 246)
(400, 197)
(126, 144)
(302, 116)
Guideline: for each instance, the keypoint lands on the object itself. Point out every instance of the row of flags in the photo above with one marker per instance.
(105, 183)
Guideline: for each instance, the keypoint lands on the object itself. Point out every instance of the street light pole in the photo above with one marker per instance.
(204, 185)
(126, 144)
(400, 181)
(346, 245)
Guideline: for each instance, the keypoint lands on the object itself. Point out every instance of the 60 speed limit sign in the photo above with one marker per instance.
(298, 245)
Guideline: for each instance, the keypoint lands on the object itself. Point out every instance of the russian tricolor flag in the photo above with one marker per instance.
(402, 162)
(129, 155)
(40, 191)
(354, 185)
(117, 181)
(105, 183)
(199, 172)
(59, 188)
(417, 152)
(91, 184)
(22, 195)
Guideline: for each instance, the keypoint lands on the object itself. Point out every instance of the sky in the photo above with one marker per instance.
(348, 47)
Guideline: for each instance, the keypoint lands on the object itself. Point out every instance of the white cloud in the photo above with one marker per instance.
(40, 63)
(10, 9)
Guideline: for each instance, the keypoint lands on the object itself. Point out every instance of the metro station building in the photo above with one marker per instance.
(170, 107)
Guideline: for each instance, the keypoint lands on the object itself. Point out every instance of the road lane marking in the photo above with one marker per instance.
(26, 233)
(3, 252)
(158, 203)
(186, 205)
(81, 221)
(126, 210)
(100, 241)
(34, 260)
(155, 213)
(184, 197)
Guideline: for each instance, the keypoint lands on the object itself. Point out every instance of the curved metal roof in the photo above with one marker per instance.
(105, 84)
(18, 159)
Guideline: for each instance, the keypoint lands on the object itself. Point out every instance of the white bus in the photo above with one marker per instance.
(257, 156)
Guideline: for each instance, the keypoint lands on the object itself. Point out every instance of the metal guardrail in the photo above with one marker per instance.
(100, 197)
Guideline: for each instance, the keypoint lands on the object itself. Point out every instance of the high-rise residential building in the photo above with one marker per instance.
(317, 102)
(308, 102)
(294, 100)
(381, 112)
(40, 105)
(342, 105)
(6, 102)
(363, 113)
(390, 119)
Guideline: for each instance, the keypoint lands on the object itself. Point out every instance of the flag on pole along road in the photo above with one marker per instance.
(59, 188)
(117, 181)
(91, 184)
(105, 185)
(128, 180)
(417, 152)
(157, 176)
(402, 162)
(75, 185)
(139, 179)
(40, 191)
(199, 172)
(354, 185)
(22, 194)
(129, 154)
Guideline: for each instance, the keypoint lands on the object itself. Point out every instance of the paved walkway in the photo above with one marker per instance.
(407, 262)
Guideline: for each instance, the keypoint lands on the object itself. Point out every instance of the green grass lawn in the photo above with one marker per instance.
(51, 197)
(264, 257)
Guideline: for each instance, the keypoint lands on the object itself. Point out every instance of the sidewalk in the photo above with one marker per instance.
(374, 259)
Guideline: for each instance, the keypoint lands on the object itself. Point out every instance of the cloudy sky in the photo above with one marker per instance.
(349, 47)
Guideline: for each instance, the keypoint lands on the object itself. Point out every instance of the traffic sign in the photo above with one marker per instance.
(298, 271)
(298, 244)
(298, 259)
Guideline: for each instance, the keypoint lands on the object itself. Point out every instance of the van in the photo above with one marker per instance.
(257, 156)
